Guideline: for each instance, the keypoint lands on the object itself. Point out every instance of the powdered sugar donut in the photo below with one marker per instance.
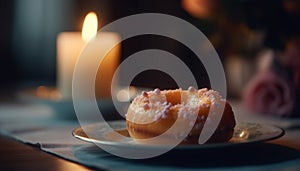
(152, 113)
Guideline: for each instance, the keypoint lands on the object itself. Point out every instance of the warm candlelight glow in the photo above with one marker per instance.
(70, 45)
(90, 26)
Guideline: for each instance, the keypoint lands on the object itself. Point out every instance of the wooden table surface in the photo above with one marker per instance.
(19, 156)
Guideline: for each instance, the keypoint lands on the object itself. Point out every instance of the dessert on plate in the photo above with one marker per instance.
(153, 113)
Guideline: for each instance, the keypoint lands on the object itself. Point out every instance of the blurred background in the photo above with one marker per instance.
(242, 31)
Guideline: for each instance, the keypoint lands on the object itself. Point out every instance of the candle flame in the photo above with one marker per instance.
(90, 26)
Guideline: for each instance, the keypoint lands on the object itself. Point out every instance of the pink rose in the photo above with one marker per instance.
(268, 93)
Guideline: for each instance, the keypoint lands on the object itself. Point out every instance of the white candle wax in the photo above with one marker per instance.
(69, 46)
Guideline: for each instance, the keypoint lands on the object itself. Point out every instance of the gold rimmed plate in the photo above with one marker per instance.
(244, 133)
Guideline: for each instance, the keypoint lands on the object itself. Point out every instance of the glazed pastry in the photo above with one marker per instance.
(153, 113)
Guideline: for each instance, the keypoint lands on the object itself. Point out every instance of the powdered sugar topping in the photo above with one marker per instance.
(155, 105)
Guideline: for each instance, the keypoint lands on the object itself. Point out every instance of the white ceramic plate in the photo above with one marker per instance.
(244, 133)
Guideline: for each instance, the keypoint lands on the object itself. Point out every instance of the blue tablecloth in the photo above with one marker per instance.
(40, 125)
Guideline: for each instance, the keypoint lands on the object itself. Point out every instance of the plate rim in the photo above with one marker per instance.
(179, 147)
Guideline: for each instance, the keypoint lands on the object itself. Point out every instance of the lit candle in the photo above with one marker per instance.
(69, 46)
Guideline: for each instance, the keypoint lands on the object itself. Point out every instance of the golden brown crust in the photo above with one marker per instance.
(154, 127)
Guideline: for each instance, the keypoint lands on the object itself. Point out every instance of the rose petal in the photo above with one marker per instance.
(269, 93)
